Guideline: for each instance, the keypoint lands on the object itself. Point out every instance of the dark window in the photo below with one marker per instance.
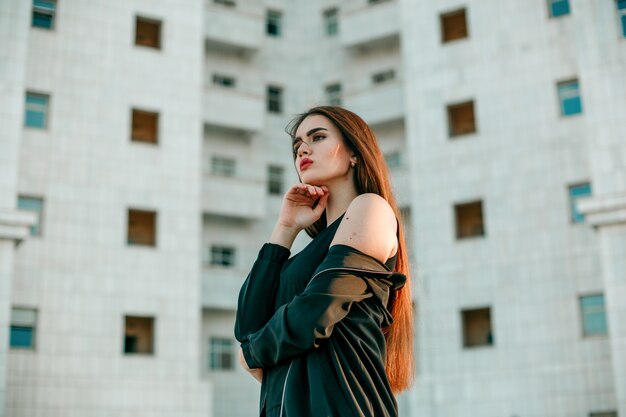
(139, 335)
(593, 314)
(576, 192)
(331, 21)
(453, 26)
(383, 76)
(224, 80)
(228, 3)
(23, 328)
(273, 23)
(461, 119)
(469, 220)
(36, 110)
(145, 126)
(274, 99)
(222, 255)
(275, 180)
(44, 12)
(477, 330)
(141, 227)
(558, 8)
(221, 354)
(621, 12)
(569, 98)
(603, 414)
(333, 94)
(34, 204)
(221, 166)
(148, 32)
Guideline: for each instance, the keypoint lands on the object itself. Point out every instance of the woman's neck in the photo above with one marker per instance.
(341, 195)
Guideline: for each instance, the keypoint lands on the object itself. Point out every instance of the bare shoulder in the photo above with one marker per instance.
(369, 225)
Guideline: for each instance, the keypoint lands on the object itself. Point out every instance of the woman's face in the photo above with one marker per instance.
(320, 151)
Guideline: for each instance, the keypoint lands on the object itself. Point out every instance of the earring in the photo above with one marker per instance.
(352, 164)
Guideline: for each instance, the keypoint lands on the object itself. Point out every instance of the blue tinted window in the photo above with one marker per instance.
(569, 97)
(36, 110)
(576, 192)
(21, 337)
(33, 204)
(43, 13)
(593, 314)
(621, 9)
(559, 7)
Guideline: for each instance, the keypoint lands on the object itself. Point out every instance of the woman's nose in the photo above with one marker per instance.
(304, 149)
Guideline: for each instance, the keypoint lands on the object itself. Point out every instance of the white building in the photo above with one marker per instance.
(150, 139)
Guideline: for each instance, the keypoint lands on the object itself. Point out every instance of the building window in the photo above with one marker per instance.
(138, 335)
(576, 192)
(376, 1)
(223, 80)
(148, 32)
(43, 14)
(593, 314)
(221, 354)
(145, 126)
(222, 255)
(224, 167)
(273, 23)
(393, 159)
(34, 204)
(333, 94)
(621, 12)
(558, 8)
(453, 26)
(477, 330)
(331, 21)
(23, 328)
(228, 3)
(569, 98)
(383, 76)
(603, 414)
(469, 220)
(461, 119)
(275, 180)
(37, 109)
(141, 227)
(274, 99)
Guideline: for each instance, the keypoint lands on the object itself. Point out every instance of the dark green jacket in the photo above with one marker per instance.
(329, 336)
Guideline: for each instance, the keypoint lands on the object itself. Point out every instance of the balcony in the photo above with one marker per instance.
(220, 287)
(373, 26)
(232, 30)
(233, 110)
(234, 197)
(378, 105)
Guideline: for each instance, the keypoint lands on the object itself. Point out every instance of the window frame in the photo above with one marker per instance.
(563, 95)
(217, 348)
(149, 20)
(454, 134)
(331, 21)
(333, 93)
(46, 110)
(621, 16)
(223, 166)
(137, 111)
(445, 19)
(40, 214)
(274, 23)
(583, 314)
(152, 334)
(551, 9)
(44, 11)
(275, 180)
(153, 243)
(491, 341)
(574, 216)
(34, 326)
(275, 99)
(219, 252)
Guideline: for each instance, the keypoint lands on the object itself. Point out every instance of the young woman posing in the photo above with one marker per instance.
(329, 331)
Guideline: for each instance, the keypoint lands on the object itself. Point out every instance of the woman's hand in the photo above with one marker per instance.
(303, 205)
(256, 373)
(297, 211)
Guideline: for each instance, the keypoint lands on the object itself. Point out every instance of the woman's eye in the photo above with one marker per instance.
(318, 137)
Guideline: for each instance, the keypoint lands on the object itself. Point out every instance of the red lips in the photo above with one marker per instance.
(305, 163)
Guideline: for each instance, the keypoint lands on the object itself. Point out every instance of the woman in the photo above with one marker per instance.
(329, 331)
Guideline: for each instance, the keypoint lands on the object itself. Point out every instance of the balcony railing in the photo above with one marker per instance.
(234, 197)
(378, 105)
(374, 24)
(233, 30)
(220, 287)
(232, 109)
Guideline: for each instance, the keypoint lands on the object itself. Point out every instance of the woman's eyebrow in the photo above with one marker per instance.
(310, 132)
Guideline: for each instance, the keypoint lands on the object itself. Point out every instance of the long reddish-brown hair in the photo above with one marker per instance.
(372, 176)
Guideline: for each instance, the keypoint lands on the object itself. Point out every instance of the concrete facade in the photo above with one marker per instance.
(531, 267)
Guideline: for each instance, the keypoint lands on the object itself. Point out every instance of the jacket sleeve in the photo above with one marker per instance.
(301, 324)
(258, 293)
